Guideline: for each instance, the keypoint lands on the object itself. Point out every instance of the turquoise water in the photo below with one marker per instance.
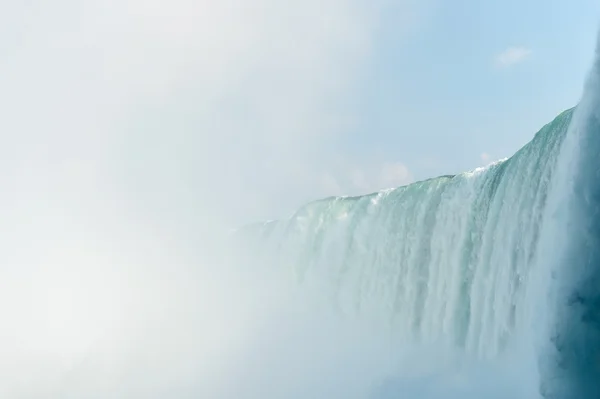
(498, 263)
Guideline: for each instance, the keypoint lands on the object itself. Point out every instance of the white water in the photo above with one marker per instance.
(467, 283)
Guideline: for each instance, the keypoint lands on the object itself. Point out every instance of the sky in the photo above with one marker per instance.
(135, 131)
(258, 106)
(475, 80)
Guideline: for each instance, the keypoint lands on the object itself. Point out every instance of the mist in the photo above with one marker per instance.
(135, 136)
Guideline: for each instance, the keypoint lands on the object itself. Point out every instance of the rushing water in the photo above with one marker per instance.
(490, 263)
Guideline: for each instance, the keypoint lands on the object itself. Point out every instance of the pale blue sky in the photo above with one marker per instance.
(250, 108)
(435, 99)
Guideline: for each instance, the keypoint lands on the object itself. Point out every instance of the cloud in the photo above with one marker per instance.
(512, 56)
(353, 177)
(394, 175)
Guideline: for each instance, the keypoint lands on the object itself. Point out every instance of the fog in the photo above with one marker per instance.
(135, 135)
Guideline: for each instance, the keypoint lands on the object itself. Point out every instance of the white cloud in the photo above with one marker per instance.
(512, 56)
(353, 177)
(394, 175)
